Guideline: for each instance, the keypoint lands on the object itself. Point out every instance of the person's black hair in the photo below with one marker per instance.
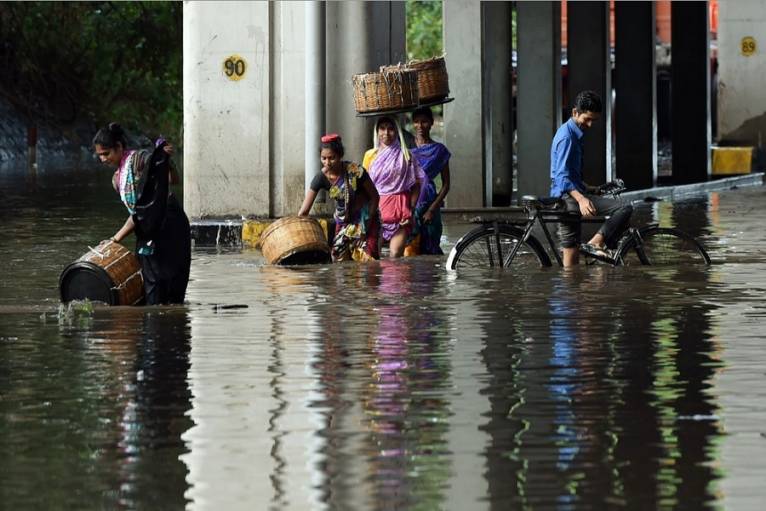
(588, 101)
(389, 120)
(335, 145)
(110, 135)
(424, 111)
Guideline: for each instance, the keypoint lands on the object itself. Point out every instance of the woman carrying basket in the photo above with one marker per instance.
(398, 178)
(163, 235)
(356, 203)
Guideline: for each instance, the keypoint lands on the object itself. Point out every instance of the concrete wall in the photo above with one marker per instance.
(741, 78)
(226, 122)
(244, 139)
(462, 118)
(539, 93)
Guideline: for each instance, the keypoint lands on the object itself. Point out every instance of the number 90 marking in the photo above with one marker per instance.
(234, 67)
(748, 46)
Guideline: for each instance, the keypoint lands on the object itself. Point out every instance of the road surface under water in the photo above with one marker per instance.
(390, 385)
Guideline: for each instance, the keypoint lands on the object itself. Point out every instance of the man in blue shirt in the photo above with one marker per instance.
(567, 183)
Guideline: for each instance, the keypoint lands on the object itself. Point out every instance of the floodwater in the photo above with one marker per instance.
(392, 385)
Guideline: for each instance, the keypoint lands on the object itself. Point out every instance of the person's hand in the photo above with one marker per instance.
(586, 207)
(169, 149)
(428, 216)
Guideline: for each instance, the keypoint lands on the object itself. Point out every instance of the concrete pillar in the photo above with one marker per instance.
(497, 102)
(742, 65)
(539, 92)
(589, 67)
(244, 134)
(226, 116)
(462, 118)
(288, 98)
(314, 85)
(690, 94)
(635, 78)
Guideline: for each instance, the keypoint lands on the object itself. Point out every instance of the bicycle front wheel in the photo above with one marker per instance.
(664, 246)
(490, 247)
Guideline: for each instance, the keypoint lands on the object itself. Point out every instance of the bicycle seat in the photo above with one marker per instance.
(533, 201)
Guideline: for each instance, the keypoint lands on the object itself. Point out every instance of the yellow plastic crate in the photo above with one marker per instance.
(732, 160)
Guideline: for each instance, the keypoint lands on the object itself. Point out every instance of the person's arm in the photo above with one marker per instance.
(124, 231)
(173, 178)
(173, 173)
(586, 206)
(429, 214)
(311, 195)
(561, 174)
(414, 194)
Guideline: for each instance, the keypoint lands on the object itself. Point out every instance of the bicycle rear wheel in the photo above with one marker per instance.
(664, 246)
(488, 247)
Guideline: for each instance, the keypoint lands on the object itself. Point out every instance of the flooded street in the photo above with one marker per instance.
(390, 385)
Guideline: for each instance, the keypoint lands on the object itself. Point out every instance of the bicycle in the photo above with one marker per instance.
(504, 242)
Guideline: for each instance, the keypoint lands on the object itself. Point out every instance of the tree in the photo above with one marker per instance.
(424, 29)
(102, 61)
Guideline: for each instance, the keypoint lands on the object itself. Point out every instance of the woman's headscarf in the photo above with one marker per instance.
(394, 170)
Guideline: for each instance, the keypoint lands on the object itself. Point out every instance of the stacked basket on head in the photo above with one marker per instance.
(433, 82)
(401, 87)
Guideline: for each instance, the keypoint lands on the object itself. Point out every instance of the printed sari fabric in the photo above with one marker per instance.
(432, 158)
(127, 176)
(356, 228)
(393, 172)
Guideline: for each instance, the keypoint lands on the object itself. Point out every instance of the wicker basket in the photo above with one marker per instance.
(433, 82)
(393, 88)
(295, 240)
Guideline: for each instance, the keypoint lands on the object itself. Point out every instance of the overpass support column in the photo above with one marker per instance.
(463, 117)
(589, 67)
(690, 95)
(497, 102)
(635, 78)
(538, 113)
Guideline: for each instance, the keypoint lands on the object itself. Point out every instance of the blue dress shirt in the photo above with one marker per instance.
(566, 160)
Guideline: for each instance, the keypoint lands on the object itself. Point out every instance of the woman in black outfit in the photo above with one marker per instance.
(163, 236)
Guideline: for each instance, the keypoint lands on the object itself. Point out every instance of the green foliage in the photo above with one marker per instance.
(424, 29)
(105, 61)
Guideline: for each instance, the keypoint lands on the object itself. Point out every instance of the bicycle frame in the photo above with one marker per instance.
(541, 217)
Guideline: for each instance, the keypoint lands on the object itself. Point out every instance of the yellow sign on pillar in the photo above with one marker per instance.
(234, 67)
(748, 46)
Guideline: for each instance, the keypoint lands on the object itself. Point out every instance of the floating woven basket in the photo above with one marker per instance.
(433, 82)
(295, 240)
(393, 88)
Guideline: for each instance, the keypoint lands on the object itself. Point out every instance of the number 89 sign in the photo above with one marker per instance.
(234, 67)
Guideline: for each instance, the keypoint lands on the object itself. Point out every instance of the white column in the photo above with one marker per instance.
(226, 116)
(462, 118)
(315, 85)
(741, 72)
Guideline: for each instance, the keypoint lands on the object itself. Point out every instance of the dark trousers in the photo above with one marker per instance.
(617, 210)
(166, 272)
(159, 288)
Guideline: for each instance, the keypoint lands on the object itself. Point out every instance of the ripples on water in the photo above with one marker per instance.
(387, 385)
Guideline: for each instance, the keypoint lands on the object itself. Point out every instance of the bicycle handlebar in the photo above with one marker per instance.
(614, 187)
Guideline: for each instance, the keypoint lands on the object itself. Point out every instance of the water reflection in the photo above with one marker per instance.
(104, 423)
(590, 395)
(385, 385)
